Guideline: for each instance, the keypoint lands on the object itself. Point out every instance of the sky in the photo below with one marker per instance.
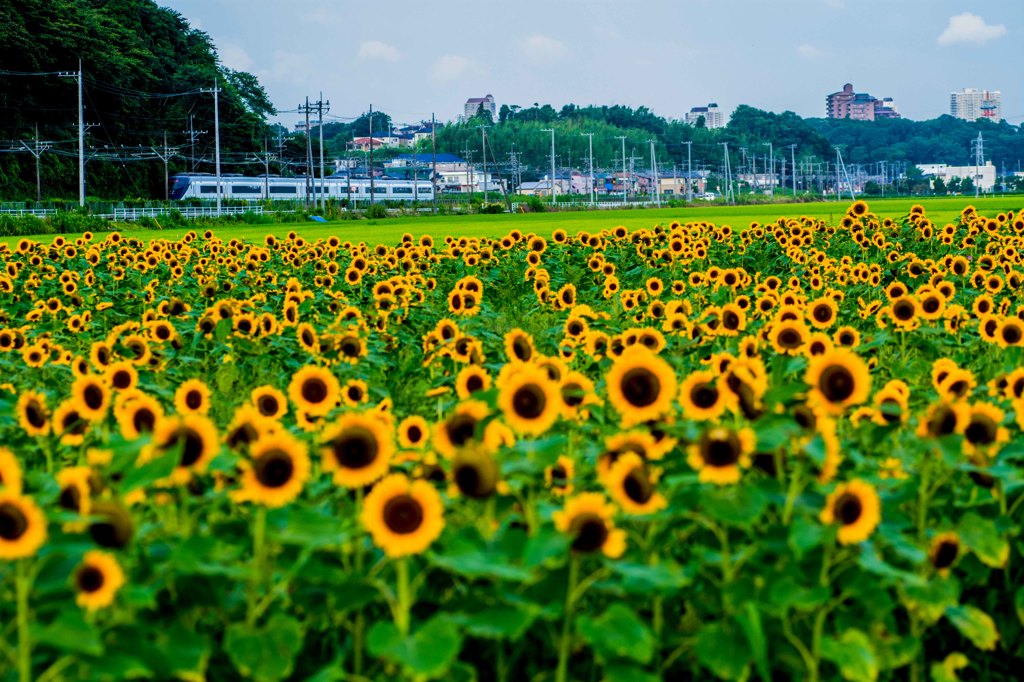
(413, 58)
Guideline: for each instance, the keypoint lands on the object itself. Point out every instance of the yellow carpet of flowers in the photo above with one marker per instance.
(778, 451)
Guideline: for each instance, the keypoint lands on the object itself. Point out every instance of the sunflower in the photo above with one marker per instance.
(788, 336)
(69, 424)
(403, 517)
(121, 375)
(856, 508)
(519, 345)
(559, 476)
(475, 473)
(192, 436)
(91, 397)
(247, 426)
(471, 379)
(277, 469)
(529, 400)
(944, 551)
(822, 312)
(838, 379)
(32, 413)
(112, 525)
(192, 397)
(631, 483)
(97, 580)
(22, 526)
(460, 428)
(983, 431)
(10, 472)
(138, 415)
(413, 432)
(314, 390)
(357, 448)
(587, 520)
(270, 401)
(641, 386)
(720, 453)
(75, 495)
(702, 395)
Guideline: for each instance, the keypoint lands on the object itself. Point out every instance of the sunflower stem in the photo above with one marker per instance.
(566, 639)
(259, 536)
(22, 586)
(404, 601)
(360, 624)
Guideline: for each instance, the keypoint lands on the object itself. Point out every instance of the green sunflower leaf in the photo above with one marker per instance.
(981, 537)
(265, 654)
(853, 654)
(975, 625)
(617, 633)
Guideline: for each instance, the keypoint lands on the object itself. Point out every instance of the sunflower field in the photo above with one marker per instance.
(788, 451)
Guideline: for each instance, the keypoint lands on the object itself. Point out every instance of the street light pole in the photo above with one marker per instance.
(552, 131)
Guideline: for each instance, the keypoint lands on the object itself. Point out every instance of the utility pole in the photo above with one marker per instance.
(590, 143)
(654, 174)
(216, 139)
(415, 175)
(433, 163)
(979, 156)
(552, 131)
(320, 125)
(792, 162)
(165, 156)
(37, 151)
(622, 138)
(305, 108)
(771, 169)
(689, 170)
(729, 193)
(372, 188)
(483, 153)
(81, 131)
(841, 165)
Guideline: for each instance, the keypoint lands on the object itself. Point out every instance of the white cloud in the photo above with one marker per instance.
(375, 49)
(808, 51)
(970, 28)
(451, 66)
(541, 48)
(234, 56)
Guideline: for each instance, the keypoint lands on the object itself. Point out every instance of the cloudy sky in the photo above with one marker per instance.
(413, 58)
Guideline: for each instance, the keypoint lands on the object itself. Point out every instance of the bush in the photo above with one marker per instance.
(376, 212)
(491, 209)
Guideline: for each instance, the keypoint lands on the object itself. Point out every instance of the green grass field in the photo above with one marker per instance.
(940, 210)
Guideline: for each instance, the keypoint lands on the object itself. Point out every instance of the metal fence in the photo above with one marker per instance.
(129, 214)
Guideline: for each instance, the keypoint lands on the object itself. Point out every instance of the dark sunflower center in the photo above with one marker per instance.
(521, 349)
(274, 469)
(637, 486)
(191, 446)
(267, 405)
(314, 390)
(73, 423)
(13, 522)
(93, 397)
(70, 498)
(981, 430)
(1011, 334)
(789, 338)
(89, 579)
(460, 429)
(848, 509)
(721, 451)
(529, 401)
(730, 320)
(837, 383)
(34, 414)
(476, 478)
(414, 434)
(114, 527)
(572, 395)
(355, 393)
(474, 383)
(194, 400)
(243, 434)
(930, 304)
(640, 387)
(903, 311)
(704, 395)
(946, 553)
(356, 448)
(804, 416)
(350, 347)
(590, 531)
(403, 515)
(559, 476)
(121, 379)
(143, 420)
(822, 313)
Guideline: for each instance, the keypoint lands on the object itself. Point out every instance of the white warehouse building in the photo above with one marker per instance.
(984, 177)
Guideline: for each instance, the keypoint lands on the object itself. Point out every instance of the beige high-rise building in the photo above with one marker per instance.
(970, 104)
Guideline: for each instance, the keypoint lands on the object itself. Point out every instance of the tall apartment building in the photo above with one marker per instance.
(713, 116)
(970, 104)
(473, 105)
(859, 106)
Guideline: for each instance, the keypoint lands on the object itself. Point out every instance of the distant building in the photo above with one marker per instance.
(473, 105)
(542, 188)
(970, 104)
(859, 106)
(445, 161)
(713, 116)
(984, 177)
(362, 144)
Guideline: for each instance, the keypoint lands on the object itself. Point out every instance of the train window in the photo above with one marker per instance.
(207, 189)
(246, 189)
(282, 189)
(401, 190)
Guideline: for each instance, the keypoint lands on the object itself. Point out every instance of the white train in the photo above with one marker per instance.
(204, 186)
